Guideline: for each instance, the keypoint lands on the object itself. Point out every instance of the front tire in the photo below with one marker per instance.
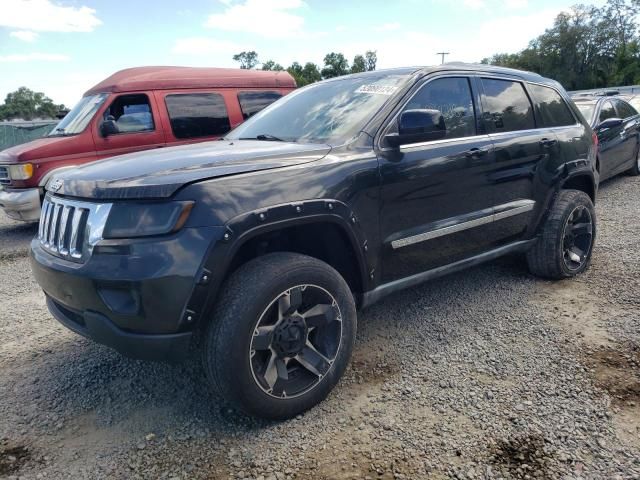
(565, 246)
(281, 336)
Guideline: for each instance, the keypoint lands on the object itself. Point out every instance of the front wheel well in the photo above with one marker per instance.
(326, 241)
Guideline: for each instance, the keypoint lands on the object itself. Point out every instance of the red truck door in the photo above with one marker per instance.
(135, 125)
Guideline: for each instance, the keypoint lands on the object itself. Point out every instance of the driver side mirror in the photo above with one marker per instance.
(609, 123)
(109, 127)
(415, 126)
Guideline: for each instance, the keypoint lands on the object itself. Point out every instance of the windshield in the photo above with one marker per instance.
(330, 112)
(586, 109)
(77, 119)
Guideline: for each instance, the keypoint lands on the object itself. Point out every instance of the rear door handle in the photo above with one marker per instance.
(548, 142)
(475, 153)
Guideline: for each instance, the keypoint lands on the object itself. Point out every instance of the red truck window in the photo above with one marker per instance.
(132, 113)
(197, 115)
(252, 102)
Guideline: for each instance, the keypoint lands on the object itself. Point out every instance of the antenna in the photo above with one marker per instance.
(443, 55)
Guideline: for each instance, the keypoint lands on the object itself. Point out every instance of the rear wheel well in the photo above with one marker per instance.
(582, 183)
(325, 241)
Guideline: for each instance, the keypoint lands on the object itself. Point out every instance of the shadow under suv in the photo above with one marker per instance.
(258, 249)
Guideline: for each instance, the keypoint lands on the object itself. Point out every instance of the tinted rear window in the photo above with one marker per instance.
(197, 115)
(552, 108)
(252, 102)
(507, 106)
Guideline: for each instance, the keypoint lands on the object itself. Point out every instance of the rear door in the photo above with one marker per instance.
(137, 121)
(521, 147)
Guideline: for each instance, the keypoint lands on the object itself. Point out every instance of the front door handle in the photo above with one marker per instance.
(548, 142)
(475, 153)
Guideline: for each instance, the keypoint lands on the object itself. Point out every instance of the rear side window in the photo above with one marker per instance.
(607, 111)
(451, 96)
(552, 108)
(195, 115)
(507, 106)
(252, 102)
(625, 110)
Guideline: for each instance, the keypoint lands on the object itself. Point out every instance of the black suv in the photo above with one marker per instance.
(258, 249)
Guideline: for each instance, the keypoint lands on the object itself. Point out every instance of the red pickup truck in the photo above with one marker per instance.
(132, 110)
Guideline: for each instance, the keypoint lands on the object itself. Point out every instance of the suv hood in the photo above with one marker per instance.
(160, 173)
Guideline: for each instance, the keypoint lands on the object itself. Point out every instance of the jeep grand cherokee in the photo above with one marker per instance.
(258, 249)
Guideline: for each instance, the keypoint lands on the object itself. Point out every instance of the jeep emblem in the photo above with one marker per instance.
(55, 185)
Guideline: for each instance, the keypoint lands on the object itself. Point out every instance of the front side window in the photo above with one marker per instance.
(552, 108)
(79, 117)
(625, 110)
(331, 112)
(452, 98)
(194, 115)
(252, 102)
(507, 106)
(131, 113)
(607, 111)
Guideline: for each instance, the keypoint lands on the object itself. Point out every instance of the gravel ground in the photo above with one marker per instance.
(489, 373)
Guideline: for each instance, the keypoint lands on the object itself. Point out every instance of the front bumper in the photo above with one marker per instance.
(129, 295)
(21, 204)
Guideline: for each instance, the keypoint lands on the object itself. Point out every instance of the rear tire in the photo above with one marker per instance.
(565, 246)
(281, 335)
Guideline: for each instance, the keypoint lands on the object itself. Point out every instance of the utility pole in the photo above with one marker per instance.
(443, 54)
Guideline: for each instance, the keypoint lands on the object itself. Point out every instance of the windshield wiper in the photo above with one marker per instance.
(265, 136)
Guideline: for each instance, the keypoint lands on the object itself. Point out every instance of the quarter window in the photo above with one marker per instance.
(552, 108)
(252, 102)
(607, 111)
(625, 110)
(452, 97)
(195, 115)
(507, 107)
(131, 113)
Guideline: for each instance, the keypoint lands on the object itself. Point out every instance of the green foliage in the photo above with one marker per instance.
(335, 65)
(587, 47)
(304, 75)
(247, 60)
(272, 66)
(28, 105)
(359, 64)
(371, 59)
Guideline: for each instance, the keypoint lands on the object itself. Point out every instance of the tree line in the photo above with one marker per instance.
(26, 104)
(335, 65)
(587, 47)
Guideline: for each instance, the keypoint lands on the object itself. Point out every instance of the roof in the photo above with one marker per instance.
(158, 78)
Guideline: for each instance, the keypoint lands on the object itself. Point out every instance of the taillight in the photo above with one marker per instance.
(595, 139)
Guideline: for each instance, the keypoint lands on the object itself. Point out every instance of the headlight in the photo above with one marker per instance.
(21, 171)
(127, 220)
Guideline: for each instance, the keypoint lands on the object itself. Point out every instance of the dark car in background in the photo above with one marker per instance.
(617, 125)
(258, 249)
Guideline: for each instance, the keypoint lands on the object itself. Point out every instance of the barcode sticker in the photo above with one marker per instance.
(377, 89)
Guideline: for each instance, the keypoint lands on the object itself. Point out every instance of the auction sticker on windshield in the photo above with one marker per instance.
(379, 89)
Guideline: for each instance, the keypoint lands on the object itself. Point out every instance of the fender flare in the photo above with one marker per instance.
(244, 227)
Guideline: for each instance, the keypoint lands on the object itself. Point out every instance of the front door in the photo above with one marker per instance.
(611, 144)
(137, 125)
(436, 199)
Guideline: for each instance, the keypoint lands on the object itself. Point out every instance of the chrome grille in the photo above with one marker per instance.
(70, 229)
(4, 176)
